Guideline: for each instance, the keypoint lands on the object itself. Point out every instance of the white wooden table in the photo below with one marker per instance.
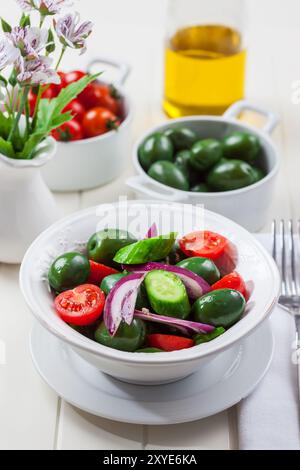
(31, 415)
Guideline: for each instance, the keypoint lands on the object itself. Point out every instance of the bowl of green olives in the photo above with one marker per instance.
(220, 162)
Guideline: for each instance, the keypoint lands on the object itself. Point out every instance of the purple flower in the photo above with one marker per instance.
(71, 33)
(29, 41)
(45, 7)
(8, 53)
(36, 72)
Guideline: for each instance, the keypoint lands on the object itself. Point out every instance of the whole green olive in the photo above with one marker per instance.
(231, 174)
(241, 146)
(68, 271)
(128, 337)
(222, 307)
(169, 174)
(155, 148)
(205, 154)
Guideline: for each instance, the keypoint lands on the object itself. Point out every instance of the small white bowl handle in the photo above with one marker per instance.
(123, 69)
(140, 184)
(240, 106)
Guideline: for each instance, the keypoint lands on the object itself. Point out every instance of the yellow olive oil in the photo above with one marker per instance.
(204, 70)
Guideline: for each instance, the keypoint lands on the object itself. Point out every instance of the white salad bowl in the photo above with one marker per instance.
(90, 163)
(247, 206)
(72, 233)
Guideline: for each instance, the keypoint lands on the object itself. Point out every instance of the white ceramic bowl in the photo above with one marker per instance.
(247, 206)
(89, 163)
(71, 233)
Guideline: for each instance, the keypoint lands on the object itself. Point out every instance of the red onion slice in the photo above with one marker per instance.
(120, 302)
(195, 285)
(189, 328)
(152, 232)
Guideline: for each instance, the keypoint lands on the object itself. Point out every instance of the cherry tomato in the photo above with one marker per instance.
(81, 306)
(69, 131)
(169, 343)
(100, 95)
(56, 89)
(98, 121)
(232, 281)
(98, 272)
(77, 110)
(32, 101)
(93, 96)
(74, 76)
(203, 243)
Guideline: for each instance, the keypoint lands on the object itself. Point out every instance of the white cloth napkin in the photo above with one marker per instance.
(269, 418)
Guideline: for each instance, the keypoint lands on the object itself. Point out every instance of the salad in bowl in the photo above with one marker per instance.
(144, 305)
(150, 295)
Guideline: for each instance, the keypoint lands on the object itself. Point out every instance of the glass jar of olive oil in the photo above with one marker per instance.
(205, 56)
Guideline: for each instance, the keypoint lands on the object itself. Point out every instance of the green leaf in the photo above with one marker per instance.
(6, 148)
(25, 20)
(27, 152)
(5, 26)
(50, 110)
(51, 43)
(5, 125)
(71, 92)
(3, 80)
(13, 78)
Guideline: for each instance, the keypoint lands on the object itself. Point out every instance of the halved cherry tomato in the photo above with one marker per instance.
(76, 109)
(98, 272)
(232, 281)
(169, 343)
(81, 306)
(68, 132)
(203, 243)
(98, 121)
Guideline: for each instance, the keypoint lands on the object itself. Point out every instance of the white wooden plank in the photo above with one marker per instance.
(210, 433)
(28, 408)
(79, 430)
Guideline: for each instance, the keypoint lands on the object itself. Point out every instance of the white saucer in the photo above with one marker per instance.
(230, 378)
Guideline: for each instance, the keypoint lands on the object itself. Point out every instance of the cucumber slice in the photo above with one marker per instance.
(167, 294)
(145, 251)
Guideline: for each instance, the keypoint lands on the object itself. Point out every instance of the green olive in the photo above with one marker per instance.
(241, 146)
(259, 174)
(204, 267)
(169, 174)
(155, 148)
(205, 154)
(109, 282)
(68, 271)
(200, 188)
(182, 137)
(128, 337)
(231, 174)
(222, 307)
(182, 160)
(103, 245)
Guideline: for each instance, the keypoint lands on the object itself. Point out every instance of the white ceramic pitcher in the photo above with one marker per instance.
(27, 206)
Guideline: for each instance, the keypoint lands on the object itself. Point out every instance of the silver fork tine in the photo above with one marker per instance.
(293, 258)
(283, 258)
(274, 233)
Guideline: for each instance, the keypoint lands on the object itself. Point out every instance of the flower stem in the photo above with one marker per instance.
(38, 99)
(60, 57)
(42, 19)
(21, 109)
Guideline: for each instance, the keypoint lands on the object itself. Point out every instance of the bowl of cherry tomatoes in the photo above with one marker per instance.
(94, 145)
